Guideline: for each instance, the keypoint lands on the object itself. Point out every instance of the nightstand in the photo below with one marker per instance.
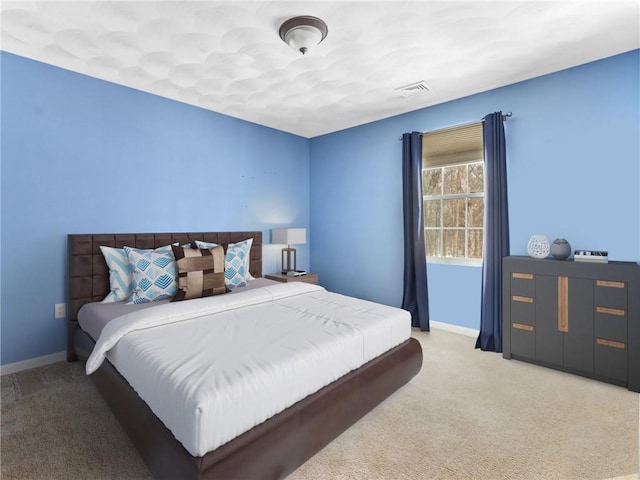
(280, 277)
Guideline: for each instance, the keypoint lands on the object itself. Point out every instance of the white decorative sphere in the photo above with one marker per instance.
(538, 246)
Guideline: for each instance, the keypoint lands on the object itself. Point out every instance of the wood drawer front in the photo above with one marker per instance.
(610, 360)
(611, 294)
(523, 311)
(610, 323)
(523, 340)
(523, 284)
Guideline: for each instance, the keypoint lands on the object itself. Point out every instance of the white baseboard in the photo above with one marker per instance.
(32, 363)
(469, 332)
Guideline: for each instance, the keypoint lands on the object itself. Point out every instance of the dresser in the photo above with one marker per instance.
(579, 317)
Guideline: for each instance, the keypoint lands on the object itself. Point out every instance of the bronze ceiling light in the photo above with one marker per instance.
(304, 32)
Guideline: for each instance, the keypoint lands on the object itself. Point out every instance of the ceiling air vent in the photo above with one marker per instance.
(413, 88)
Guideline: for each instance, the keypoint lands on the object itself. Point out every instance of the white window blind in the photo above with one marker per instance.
(452, 145)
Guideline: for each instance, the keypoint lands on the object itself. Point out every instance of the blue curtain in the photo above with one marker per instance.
(415, 298)
(496, 232)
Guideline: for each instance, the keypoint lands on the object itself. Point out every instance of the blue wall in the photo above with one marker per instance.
(573, 171)
(81, 155)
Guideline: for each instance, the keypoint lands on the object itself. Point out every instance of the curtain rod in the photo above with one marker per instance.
(504, 119)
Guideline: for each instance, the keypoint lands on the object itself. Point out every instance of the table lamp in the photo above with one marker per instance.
(289, 236)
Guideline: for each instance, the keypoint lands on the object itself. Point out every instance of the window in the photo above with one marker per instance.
(453, 194)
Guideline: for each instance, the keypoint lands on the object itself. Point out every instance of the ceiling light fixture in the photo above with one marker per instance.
(303, 33)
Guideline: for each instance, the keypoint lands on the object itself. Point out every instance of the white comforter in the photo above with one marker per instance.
(213, 368)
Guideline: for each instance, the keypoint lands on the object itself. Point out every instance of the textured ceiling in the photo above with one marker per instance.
(228, 57)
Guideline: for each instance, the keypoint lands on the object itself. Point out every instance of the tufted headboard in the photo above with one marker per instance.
(89, 275)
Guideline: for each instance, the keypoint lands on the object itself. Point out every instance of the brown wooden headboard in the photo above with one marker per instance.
(89, 275)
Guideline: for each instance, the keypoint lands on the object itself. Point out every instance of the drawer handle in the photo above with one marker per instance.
(610, 311)
(607, 283)
(521, 326)
(518, 298)
(527, 276)
(609, 343)
(563, 304)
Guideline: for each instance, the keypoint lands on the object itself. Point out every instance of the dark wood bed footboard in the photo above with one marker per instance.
(273, 449)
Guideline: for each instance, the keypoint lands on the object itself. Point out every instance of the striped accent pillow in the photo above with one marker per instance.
(237, 262)
(200, 272)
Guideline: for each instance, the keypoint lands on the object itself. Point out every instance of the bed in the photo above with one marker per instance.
(271, 449)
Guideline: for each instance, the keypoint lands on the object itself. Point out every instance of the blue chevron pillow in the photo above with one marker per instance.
(236, 268)
(154, 275)
(236, 265)
(119, 274)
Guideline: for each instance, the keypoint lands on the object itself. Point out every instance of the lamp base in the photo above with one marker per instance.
(289, 253)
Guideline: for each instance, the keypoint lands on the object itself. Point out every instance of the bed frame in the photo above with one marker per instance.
(271, 450)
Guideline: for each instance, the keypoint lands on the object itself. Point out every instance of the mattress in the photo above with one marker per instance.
(92, 317)
(213, 368)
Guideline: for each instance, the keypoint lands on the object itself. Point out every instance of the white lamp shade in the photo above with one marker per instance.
(288, 236)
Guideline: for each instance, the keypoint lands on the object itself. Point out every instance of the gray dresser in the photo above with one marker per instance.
(579, 317)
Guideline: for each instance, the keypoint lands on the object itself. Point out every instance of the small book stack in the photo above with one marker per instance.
(597, 256)
(295, 273)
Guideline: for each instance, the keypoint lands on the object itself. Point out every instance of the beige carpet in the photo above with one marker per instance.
(467, 415)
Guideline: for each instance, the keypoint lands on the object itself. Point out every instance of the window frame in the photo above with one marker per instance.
(462, 261)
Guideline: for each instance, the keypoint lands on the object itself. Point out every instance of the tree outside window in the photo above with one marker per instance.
(454, 212)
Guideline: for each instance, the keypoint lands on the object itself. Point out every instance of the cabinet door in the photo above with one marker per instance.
(548, 337)
(578, 339)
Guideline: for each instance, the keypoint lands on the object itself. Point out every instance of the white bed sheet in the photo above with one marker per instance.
(213, 368)
(92, 317)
